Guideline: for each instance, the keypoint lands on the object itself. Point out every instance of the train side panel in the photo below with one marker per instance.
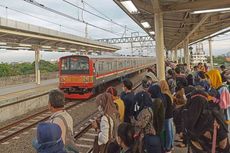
(99, 71)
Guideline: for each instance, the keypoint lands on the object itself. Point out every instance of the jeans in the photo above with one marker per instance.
(168, 127)
(152, 144)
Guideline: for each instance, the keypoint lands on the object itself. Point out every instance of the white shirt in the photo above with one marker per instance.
(103, 136)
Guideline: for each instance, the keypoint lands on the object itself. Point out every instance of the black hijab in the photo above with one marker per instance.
(142, 100)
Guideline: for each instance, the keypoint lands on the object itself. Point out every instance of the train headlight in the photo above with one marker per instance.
(85, 79)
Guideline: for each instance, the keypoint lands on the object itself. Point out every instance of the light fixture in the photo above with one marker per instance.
(128, 4)
(210, 11)
(145, 24)
(61, 48)
(151, 32)
(46, 47)
(2, 44)
(21, 47)
(25, 45)
(73, 49)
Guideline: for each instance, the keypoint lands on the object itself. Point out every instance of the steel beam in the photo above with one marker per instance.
(126, 40)
(196, 5)
(210, 53)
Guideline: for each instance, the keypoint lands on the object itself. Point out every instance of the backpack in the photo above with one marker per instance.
(208, 124)
(70, 145)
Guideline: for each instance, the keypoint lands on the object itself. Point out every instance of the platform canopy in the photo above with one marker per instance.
(182, 19)
(19, 35)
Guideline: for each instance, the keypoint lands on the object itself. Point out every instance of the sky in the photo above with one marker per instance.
(25, 12)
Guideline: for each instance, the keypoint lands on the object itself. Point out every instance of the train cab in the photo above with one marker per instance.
(76, 76)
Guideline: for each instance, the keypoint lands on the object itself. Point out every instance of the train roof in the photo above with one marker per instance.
(108, 56)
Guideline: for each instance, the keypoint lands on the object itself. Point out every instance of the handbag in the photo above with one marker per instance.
(104, 147)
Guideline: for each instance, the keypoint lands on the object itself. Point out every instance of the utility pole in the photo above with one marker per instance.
(86, 30)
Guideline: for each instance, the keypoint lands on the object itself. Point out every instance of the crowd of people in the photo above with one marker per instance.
(196, 102)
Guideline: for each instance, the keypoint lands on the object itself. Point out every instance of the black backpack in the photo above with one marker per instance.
(207, 116)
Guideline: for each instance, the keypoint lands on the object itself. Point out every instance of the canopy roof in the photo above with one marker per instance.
(180, 22)
(17, 34)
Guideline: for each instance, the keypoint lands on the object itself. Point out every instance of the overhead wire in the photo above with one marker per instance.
(106, 18)
(33, 2)
(42, 19)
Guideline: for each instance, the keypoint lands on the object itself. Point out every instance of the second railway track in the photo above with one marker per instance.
(11, 130)
(85, 134)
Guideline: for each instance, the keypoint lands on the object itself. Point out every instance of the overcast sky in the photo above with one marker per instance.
(107, 7)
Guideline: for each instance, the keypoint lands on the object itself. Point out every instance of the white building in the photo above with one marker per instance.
(199, 55)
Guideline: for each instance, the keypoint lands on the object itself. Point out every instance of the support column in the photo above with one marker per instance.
(171, 54)
(186, 53)
(159, 37)
(210, 53)
(181, 60)
(37, 61)
(175, 56)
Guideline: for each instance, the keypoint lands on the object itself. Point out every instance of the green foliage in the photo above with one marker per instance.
(219, 60)
(26, 68)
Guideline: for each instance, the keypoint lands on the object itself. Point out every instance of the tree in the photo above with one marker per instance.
(26, 68)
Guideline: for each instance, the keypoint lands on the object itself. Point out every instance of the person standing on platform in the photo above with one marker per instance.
(223, 71)
(223, 98)
(119, 103)
(62, 118)
(145, 122)
(168, 123)
(48, 139)
(126, 138)
(128, 98)
(171, 80)
(106, 128)
(151, 78)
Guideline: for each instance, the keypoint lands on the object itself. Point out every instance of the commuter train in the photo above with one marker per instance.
(82, 76)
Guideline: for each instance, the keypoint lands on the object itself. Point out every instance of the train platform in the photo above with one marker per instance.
(13, 93)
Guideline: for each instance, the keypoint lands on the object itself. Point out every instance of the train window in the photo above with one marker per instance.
(120, 64)
(115, 65)
(75, 65)
(100, 67)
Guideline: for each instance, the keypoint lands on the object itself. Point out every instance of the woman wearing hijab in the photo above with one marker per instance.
(223, 98)
(109, 121)
(168, 123)
(144, 121)
(48, 139)
(155, 92)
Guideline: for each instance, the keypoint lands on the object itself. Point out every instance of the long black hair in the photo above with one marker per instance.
(127, 134)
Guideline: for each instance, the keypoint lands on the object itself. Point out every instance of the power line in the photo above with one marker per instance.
(67, 16)
(105, 16)
(48, 21)
(92, 7)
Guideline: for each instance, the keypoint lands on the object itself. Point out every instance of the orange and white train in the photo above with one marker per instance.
(82, 76)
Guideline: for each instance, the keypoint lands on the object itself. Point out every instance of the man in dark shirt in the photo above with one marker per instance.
(223, 71)
(181, 81)
(128, 97)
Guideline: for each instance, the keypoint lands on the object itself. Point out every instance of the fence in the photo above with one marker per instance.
(13, 80)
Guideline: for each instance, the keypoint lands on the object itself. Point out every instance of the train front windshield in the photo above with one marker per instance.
(75, 65)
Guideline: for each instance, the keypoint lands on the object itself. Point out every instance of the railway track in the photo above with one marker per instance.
(85, 134)
(18, 127)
